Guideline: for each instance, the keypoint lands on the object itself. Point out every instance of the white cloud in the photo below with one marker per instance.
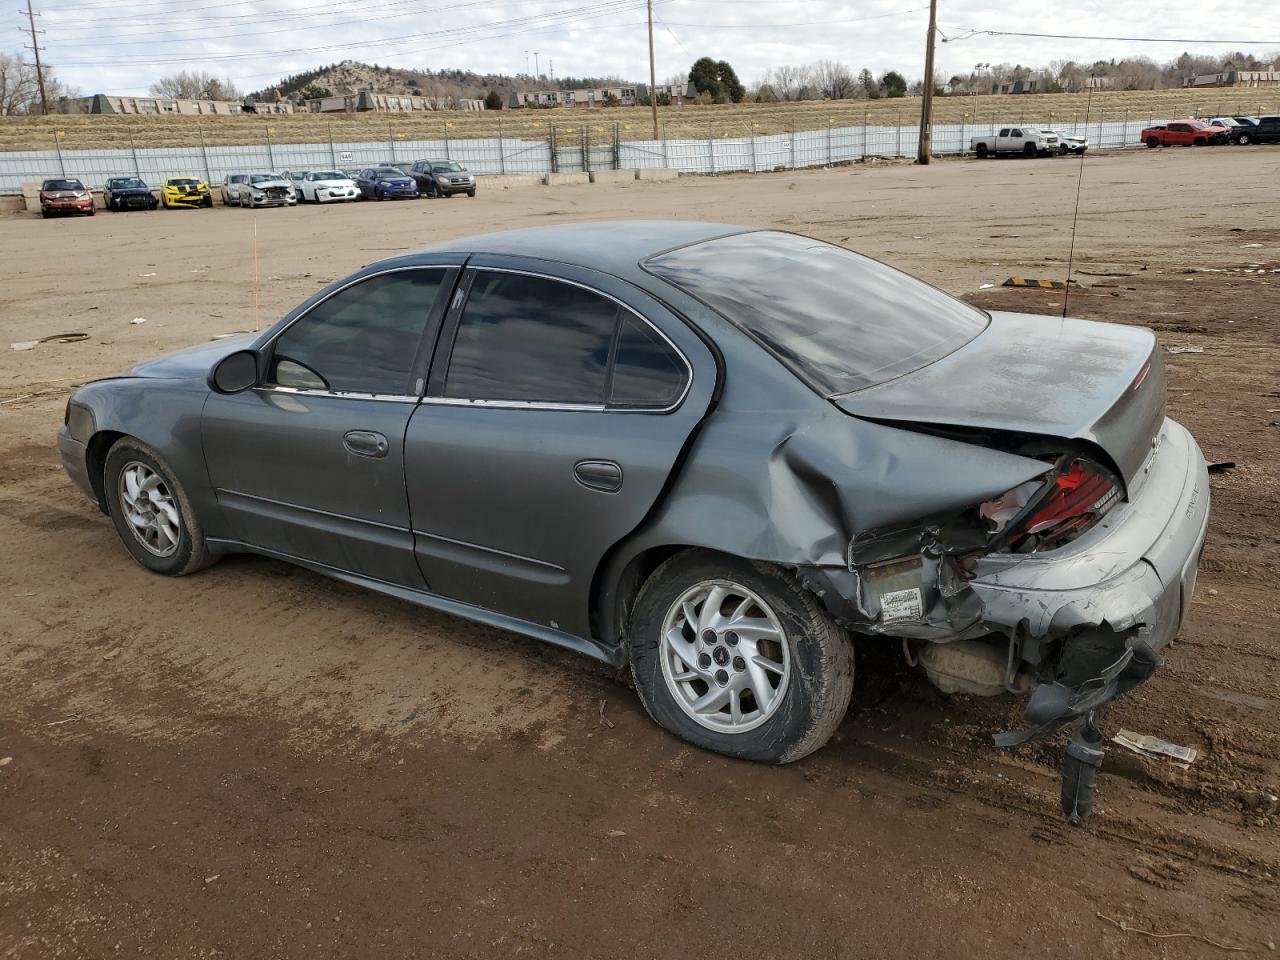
(103, 47)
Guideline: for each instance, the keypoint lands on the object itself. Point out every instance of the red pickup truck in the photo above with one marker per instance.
(1186, 133)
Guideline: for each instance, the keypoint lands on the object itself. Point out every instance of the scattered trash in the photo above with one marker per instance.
(1247, 245)
(209, 880)
(58, 723)
(52, 338)
(1151, 747)
(986, 286)
(113, 654)
(1185, 349)
(1041, 284)
(1221, 466)
(617, 833)
(5, 761)
(146, 274)
(603, 719)
(137, 320)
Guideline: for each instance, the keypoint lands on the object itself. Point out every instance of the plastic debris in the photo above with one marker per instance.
(1185, 349)
(137, 320)
(146, 274)
(1221, 466)
(52, 338)
(986, 286)
(1153, 748)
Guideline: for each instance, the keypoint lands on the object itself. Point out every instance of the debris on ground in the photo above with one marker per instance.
(603, 719)
(1041, 284)
(52, 338)
(1184, 348)
(986, 286)
(1153, 748)
(1121, 925)
(111, 655)
(1221, 466)
(5, 761)
(137, 320)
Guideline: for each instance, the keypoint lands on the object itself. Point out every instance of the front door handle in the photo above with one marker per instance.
(366, 443)
(603, 475)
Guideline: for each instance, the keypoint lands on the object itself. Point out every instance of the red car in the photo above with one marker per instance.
(65, 196)
(1185, 133)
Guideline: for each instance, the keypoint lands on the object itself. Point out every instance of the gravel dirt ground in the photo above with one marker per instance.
(259, 762)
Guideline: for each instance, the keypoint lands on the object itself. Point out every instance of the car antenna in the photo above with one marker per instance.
(1075, 216)
(257, 277)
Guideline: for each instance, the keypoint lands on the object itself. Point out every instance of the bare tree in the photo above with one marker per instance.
(834, 80)
(195, 85)
(787, 80)
(20, 91)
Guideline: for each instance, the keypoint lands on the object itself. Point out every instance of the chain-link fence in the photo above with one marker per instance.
(556, 148)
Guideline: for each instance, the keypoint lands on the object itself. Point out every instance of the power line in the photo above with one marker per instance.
(974, 32)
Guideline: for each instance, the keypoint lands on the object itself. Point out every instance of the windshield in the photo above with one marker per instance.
(451, 167)
(839, 320)
(122, 182)
(389, 172)
(328, 175)
(62, 185)
(180, 182)
(262, 177)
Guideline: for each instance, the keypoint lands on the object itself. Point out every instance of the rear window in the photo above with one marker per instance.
(839, 320)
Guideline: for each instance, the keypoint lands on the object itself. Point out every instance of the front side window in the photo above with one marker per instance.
(362, 339)
(840, 321)
(531, 339)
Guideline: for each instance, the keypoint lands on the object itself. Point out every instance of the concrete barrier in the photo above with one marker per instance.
(506, 180)
(661, 174)
(613, 176)
(563, 179)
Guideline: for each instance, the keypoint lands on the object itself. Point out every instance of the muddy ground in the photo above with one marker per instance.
(259, 762)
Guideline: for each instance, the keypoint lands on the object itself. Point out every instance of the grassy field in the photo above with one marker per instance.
(633, 123)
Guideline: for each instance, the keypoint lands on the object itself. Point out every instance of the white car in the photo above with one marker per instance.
(1069, 142)
(323, 186)
(264, 190)
(1025, 141)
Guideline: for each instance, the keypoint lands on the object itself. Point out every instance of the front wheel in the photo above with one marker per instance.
(735, 657)
(1243, 138)
(982, 151)
(1029, 150)
(471, 193)
(151, 512)
(1153, 142)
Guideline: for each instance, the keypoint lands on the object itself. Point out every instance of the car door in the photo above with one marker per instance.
(310, 463)
(1002, 140)
(559, 402)
(365, 183)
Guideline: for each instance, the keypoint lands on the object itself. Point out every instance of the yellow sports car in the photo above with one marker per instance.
(185, 192)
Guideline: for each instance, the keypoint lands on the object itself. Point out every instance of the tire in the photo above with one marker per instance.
(207, 202)
(1029, 150)
(92, 211)
(471, 194)
(810, 672)
(981, 151)
(45, 214)
(190, 552)
(1244, 138)
(1153, 142)
(1199, 142)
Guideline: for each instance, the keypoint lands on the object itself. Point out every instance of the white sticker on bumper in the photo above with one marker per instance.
(899, 605)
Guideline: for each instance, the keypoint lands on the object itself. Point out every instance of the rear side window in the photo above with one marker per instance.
(363, 339)
(647, 371)
(531, 339)
(840, 321)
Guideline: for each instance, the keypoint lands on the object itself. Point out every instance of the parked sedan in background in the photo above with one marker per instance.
(386, 183)
(326, 186)
(266, 190)
(128, 193)
(442, 178)
(64, 195)
(1070, 142)
(716, 455)
(294, 177)
(185, 192)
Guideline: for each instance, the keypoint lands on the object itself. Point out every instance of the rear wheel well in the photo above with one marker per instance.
(96, 451)
(611, 611)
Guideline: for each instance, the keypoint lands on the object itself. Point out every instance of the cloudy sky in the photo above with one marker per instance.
(105, 46)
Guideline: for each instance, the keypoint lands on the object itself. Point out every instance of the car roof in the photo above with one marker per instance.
(613, 246)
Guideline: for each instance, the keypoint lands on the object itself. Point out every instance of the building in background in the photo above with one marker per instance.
(157, 106)
(626, 96)
(1236, 78)
(1031, 85)
(368, 102)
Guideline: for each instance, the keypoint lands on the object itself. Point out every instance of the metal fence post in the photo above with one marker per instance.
(617, 147)
(829, 156)
(57, 145)
(271, 157)
(502, 150)
(963, 141)
(666, 156)
(551, 145)
(899, 153)
(133, 149)
(448, 150)
(754, 165)
(391, 139)
(204, 155)
(333, 153)
(711, 152)
(793, 145)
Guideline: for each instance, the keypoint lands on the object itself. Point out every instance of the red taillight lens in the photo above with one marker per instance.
(1077, 497)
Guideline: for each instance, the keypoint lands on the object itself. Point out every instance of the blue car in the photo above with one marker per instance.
(128, 193)
(386, 183)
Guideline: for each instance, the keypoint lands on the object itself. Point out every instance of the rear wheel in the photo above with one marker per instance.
(1029, 150)
(735, 657)
(981, 151)
(152, 515)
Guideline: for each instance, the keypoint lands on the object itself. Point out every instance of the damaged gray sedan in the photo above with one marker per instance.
(719, 456)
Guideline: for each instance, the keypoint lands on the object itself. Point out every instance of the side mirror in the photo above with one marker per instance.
(235, 372)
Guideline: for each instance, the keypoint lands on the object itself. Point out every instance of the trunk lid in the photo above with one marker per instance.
(1102, 383)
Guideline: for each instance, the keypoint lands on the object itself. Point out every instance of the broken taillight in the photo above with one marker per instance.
(1056, 511)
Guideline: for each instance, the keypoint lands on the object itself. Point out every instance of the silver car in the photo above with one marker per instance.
(720, 457)
(266, 190)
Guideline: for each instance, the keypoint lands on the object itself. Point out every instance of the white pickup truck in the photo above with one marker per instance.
(1028, 141)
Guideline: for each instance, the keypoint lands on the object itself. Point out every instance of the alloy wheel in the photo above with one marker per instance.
(149, 509)
(725, 657)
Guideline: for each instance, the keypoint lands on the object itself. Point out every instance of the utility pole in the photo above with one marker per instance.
(537, 70)
(35, 49)
(926, 102)
(653, 84)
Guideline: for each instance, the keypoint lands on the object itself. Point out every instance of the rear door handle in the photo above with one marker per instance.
(603, 475)
(366, 443)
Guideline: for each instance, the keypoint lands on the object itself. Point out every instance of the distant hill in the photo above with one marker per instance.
(351, 76)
